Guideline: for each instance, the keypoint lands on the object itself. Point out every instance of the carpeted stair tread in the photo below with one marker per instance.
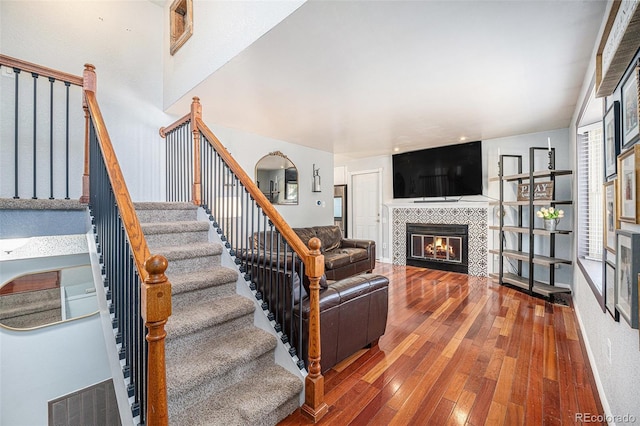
(152, 205)
(186, 282)
(207, 314)
(248, 402)
(189, 367)
(189, 251)
(153, 228)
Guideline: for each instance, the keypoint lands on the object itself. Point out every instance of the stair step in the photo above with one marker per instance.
(263, 399)
(221, 316)
(165, 212)
(191, 257)
(190, 288)
(163, 234)
(194, 373)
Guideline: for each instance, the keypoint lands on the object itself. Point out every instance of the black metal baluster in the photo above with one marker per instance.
(301, 332)
(67, 84)
(51, 81)
(35, 125)
(15, 126)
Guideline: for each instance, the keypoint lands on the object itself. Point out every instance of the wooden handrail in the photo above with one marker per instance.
(314, 406)
(171, 127)
(274, 215)
(40, 70)
(138, 244)
(155, 294)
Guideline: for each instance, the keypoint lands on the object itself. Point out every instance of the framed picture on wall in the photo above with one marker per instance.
(610, 289)
(630, 109)
(628, 170)
(611, 130)
(611, 220)
(628, 267)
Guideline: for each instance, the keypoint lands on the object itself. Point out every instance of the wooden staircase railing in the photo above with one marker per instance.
(138, 291)
(146, 294)
(43, 143)
(225, 180)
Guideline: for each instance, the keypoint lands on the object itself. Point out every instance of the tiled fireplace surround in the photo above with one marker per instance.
(463, 214)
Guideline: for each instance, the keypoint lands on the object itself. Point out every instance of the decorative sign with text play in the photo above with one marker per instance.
(541, 191)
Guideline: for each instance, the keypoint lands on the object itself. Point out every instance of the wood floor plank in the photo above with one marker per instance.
(463, 350)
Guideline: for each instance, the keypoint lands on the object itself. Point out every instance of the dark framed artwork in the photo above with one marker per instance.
(610, 290)
(628, 267)
(611, 220)
(630, 109)
(611, 130)
(628, 170)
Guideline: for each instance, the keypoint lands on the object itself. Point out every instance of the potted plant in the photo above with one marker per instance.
(551, 217)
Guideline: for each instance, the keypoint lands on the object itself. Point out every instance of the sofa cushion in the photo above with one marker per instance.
(330, 236)
(355, 254)
(336, 259)
(305, 234)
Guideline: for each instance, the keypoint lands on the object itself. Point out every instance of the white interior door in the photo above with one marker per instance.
(365, 193)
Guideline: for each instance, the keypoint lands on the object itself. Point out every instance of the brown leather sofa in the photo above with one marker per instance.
(343, 257)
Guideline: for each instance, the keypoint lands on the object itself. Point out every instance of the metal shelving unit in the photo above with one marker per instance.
(526, 255)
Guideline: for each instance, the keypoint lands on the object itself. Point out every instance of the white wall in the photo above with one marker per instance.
(39, 365)
(124, 40)
(222, 29)
(617, 380)
(314, 208)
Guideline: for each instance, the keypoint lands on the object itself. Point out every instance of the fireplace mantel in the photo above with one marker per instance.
(471, 213)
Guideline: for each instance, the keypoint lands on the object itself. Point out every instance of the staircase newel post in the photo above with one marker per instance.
(196, 114)
(89, 83)
(156, 309)
(314, 406)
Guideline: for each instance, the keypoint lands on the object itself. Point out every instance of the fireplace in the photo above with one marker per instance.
(438, 246)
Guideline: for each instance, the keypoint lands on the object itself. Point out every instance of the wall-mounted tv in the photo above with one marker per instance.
(452, 170)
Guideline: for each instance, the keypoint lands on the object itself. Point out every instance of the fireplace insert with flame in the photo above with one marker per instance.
(438, 246)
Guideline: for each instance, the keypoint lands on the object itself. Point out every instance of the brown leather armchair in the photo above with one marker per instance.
(353, 315)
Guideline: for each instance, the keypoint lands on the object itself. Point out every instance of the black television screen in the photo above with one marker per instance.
(452, 170)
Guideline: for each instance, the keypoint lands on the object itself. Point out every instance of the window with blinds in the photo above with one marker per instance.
(590, 180)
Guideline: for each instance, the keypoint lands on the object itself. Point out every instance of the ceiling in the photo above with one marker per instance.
(363, 78)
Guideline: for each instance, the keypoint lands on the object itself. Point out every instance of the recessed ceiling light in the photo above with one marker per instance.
(396, 149)
(463, 138)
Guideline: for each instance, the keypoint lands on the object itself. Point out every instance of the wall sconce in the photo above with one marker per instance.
(316, 179)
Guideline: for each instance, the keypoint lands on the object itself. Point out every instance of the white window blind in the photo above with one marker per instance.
(590, 180)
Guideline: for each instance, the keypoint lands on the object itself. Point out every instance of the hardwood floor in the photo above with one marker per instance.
(463, 350)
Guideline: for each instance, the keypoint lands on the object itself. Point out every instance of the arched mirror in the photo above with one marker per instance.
(277, 178)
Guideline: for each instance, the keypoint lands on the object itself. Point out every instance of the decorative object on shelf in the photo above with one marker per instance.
(316, 179)
(611, 139)
(628, 169)
(610, 290)
(552, 155)
(551, 217)
(628, 268)
(541, 191)
(611, 221)
(630, 109)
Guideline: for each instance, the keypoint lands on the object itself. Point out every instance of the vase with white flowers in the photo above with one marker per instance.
(551, 217)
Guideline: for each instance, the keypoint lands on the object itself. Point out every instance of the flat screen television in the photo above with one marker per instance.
(452, 170)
